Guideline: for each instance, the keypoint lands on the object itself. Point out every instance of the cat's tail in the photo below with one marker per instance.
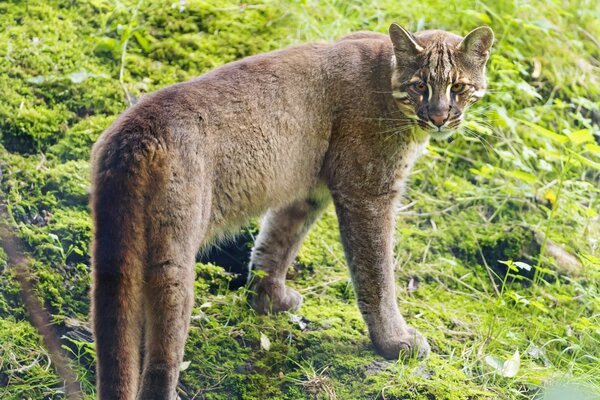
(119, 181)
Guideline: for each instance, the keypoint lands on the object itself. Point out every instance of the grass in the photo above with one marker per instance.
(526, 164)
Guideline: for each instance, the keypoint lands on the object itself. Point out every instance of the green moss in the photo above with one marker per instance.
(69, 182)
(322, 247)
(78, 139)
(25, 371)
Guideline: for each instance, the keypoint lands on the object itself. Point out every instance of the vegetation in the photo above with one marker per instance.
(506, 317)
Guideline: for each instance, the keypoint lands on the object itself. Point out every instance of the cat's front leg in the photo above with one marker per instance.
(367, 227)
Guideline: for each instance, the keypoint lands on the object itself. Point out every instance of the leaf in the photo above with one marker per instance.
(106, 45)
(508, 368)
(260, 273)
(555, 137)
(539, 305)
(79, 76)
(184, 365)
(581, 136)
(538, 353)
(494, 362)
(37, 80)
(265, 343)
(511, 366)
(523, 265)
(478, 128)
(543, 24)
(545, 166)
(592, 148)
(523, 176)
(517, 297)
(142, 41)
(528, 89)
(300, 321)
(484, 18)
(583, 160)
(510, 264)
(504, 117)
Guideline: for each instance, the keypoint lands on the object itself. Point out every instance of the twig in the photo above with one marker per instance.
(591, 37)
(40, 318)
(488, 269)
(320, 285)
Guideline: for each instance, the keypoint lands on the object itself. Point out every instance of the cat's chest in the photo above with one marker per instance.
(406, 160)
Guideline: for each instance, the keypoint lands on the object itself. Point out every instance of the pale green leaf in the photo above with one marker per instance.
(528, 89)
(142, 41)
(545, 132)
(495, 363)
(539, 305)
(265, 343)
(584, 161)
(592, 148)
(581, 136)
(478, 128)
(79, 76)
(484, 18)
(523, 176)
(184, 365)
(523, 265)
(37, 80)
(511, 366)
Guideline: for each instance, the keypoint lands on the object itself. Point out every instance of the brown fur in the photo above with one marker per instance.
(283, 132)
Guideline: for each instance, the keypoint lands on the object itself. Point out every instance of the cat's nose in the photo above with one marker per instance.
(438, 119)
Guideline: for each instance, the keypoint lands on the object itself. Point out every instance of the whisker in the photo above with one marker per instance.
(394, 132)
(479, 110)
(389, 119)
(486, 145)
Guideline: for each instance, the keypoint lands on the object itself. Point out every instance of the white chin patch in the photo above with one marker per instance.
(441, 135)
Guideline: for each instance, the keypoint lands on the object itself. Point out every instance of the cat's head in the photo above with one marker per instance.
(437, 75)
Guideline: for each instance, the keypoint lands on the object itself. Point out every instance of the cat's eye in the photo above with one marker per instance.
(420, 87)
(458, 88)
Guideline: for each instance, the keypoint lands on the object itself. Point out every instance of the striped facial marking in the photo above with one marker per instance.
(438, 75)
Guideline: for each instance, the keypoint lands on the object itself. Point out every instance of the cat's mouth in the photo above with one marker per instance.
(438, 133)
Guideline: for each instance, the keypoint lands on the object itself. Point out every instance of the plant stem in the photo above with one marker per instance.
(537, 276)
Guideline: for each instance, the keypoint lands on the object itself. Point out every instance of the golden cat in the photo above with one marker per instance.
(280, 134)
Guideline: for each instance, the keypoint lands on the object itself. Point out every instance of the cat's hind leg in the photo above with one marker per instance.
(179, 219)
(168, 299)
(281, 234)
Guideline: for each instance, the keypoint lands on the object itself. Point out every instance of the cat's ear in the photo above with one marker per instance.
(404, 42)
(478, 43)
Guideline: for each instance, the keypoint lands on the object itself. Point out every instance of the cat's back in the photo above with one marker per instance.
(284, 98)
(296, 71)
(297, 76)
(235, 95)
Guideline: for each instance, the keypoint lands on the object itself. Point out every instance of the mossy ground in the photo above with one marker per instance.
(527, 161)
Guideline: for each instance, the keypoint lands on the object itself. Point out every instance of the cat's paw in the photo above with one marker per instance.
(412, 344)
(274, 299)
